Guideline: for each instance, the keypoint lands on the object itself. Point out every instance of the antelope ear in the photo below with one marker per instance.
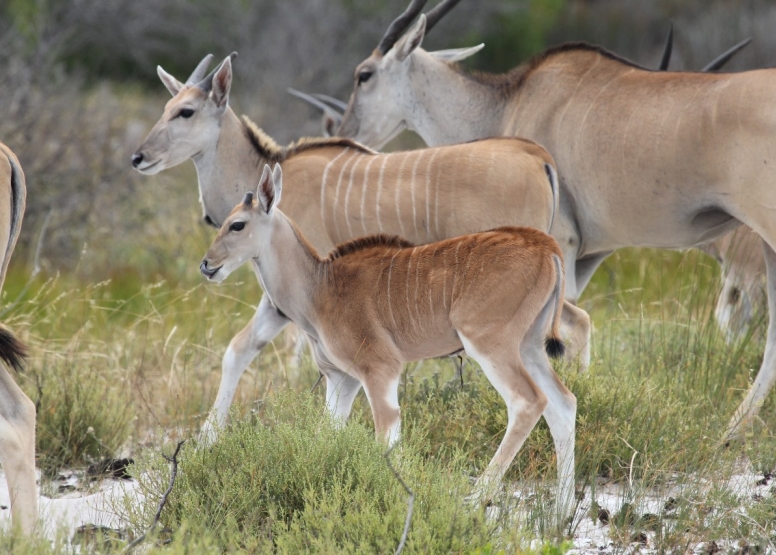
(411, 39)
(457, 54)
(266, 192)
(172, 84)
(277, 178)
(222, 83)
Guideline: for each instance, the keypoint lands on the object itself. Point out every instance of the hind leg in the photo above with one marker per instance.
(525, 404)
(766, 377)
(17, 451)
(561, 410)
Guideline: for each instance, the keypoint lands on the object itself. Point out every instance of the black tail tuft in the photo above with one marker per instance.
(554, 347)
(12, 350)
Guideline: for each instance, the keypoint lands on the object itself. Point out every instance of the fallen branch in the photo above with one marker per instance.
(173, 473)
(410, 500)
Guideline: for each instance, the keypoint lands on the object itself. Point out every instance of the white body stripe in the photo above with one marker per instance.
(323, 183)
(363, 194)
(428, 194)
(380, 191)
(337, 190)
(346, 210)
(412, 190)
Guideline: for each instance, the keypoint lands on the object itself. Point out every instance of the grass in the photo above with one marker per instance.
(126, 360)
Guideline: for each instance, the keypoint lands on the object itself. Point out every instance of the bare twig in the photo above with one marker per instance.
(320, 377)
(173, 473)
(410, 500)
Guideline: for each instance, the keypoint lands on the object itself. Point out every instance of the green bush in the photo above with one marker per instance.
(290, 482)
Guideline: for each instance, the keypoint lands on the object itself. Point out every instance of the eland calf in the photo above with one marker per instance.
(377, 302)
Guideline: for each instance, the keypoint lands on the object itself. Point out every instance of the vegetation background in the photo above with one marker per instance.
(127, 340)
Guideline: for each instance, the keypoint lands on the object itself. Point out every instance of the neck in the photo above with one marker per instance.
(290, 269)
(225, 169)
(468, 110)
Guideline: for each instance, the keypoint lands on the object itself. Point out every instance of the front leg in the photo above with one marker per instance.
(265, 325)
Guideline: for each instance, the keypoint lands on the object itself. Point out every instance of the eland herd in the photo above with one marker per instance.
(481, 242)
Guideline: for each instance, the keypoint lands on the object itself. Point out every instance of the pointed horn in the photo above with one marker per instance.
(331, 101)
(207, 83)
(325, 108)
(399, 25)
(248, 199)
(439, 11)
(724, 58)
(666, 59)
(200, 70)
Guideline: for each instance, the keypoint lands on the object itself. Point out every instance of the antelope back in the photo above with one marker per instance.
(424, 195)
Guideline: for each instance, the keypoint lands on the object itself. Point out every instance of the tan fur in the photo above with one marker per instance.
(378, 302)
(649, 159)
(17, 411)
(337, 190)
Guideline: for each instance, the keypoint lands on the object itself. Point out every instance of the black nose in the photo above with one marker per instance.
(208, 273)
(137, 158)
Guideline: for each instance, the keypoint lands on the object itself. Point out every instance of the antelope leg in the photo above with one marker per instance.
(17, 451)
(265, 325)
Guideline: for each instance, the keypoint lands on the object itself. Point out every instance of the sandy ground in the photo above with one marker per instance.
(72, 509)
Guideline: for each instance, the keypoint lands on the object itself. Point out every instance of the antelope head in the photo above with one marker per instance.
(190, 122)
(246, 229)
(383, 96)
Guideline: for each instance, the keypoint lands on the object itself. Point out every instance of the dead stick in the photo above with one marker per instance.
(320, 377)
(410, 501)
(173, 473)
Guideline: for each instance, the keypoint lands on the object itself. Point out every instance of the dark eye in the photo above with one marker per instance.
(237, 226)
(364, 76)
(186, 113)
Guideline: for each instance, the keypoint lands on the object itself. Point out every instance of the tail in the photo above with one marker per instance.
(12, 350)
(552, 175)
(553, 344)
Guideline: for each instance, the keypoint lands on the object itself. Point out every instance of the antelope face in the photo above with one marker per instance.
(190, 124)
(375, 112)
(246, 230)
(188, 127)
(382, 92)
(235, 243)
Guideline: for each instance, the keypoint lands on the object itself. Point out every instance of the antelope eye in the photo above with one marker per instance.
(364, 76)
(186, 113)
(237, 226)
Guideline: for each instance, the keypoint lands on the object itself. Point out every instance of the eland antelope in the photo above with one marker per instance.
(377, 302)
(17, 412)
(739, 253)
(337, 190)
(646, 158)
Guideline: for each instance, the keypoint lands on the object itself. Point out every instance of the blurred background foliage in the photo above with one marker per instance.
(79, 91)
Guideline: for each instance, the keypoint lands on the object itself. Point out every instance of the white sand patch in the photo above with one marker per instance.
(65, 514)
